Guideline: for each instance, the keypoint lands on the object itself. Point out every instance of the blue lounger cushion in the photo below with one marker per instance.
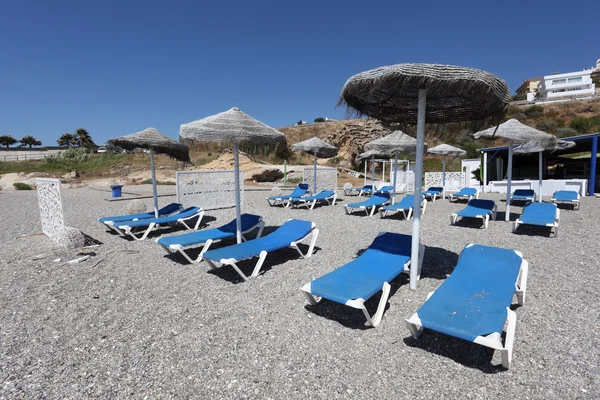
(291, 231)
(376, 199)
(364, 276)
(433, 190)
(565, 196)
(223, 232)
(473, 300)
(385, 189)
(541, 214)
(523, 194)
(323, 195)
(477, 207)
(465, 192)
(299, 191)
(166, 210)
(404, 204)
(188, 212)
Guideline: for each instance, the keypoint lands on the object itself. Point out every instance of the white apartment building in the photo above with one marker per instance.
(572, 84)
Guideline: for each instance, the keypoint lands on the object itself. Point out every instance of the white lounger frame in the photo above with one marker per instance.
(574, 203)
(311, 203)
(407, 215)
(453, 196)
(129, 230)
(111, 224)
(485, 219)
(263, 254)
(553, 225)
(531, 198)
(359, 303)
(281, 200)
(173, 248)
(493, 340)
(369, 213)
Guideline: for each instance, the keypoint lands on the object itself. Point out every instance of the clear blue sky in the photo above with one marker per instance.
(117, 67)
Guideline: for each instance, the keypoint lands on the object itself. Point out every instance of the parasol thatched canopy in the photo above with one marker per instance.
(318, 146)
(514, 130)
(229, 126)
(454, 94)
(395, 142)
(535, 148)
(151, 138)
(447, 150)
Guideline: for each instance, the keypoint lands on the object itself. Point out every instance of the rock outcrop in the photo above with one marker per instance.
(351, 139)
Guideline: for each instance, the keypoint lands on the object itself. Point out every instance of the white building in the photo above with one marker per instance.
(572, 84)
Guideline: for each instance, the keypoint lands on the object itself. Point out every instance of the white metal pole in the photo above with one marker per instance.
(373, 172)
(365, 180)
(315, 177)
(238, 216)
(395, 172)
(383, 175)
(541, 177)
(414, 253)
(509, 178)
(154, 192)
(484, 167)
(444, 177)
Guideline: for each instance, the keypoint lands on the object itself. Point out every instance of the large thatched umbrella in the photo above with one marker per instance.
(390, 145)
(420, 93)
(446, 150)
(532, 140)
(231, 126)
(318, 148)
(156, 142)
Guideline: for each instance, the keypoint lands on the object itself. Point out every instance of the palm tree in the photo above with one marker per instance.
(7, 140)
(83, 138)
(66, 140)
(30, 141)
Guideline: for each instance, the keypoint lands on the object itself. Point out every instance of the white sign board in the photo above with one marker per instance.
(50, 203)
(454, 180)
(208, 189)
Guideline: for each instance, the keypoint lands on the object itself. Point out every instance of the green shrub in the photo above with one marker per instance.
(22, 186)
(582, 124)
(534, 111)
(512, 110)
(520, 116)
(519, 97)
(547, 125)
(335, 160)
(319, 119)
(565, 132)
(67, 158)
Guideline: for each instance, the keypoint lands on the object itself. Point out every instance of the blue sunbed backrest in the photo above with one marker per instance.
(385, 189)
(565, 195)
(540, 209)
(482, 204)
(169, 209)
(467, 192)
(435, 189)
(409, 200)
(325, 194)
(248, 221)
(367, 187)
(290, 231)
(524, 192)
(392, 243)
(300, 190)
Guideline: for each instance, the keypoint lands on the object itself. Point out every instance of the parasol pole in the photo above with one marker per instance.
(154, 193)
(509, 178)
(540, 177)
(444, 177)
(373, 173)
(315, 174)
(365, 180)
(414, 253)
(394, 169)
(236, 168)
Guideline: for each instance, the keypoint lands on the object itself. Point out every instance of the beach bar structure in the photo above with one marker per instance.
(575, 168)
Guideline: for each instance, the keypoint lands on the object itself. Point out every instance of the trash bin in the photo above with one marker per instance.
(116, 190)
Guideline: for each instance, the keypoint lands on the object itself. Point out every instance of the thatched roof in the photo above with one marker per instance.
(228, 126)
(454, 94)
(312, 145)
(447, 150)
(533, 140)
(536, 148)
(151, 138)
(387, 146)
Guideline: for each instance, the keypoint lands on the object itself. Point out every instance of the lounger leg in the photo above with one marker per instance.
(522, 283)
(313, 204)
(453, 218)
(486, 220)
(334, 199)
(515, 226)
(510, 338)
(146, 232)
(205, 248)
(259, 263)
(382, 213)
(315, 234)
(373, 211)
(423, 206)
(414, 325)
(261, 226)
(312, 300)
(410, 212)
(347, 210)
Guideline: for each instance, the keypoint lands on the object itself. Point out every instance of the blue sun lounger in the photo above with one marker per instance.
(299, 191)
(405, 206)
(474, 302)
(179, 243)
(149, 224)
(357, 281)
(327, 196)
(539, 214)
(289, 234)
(163, 212)
(465, 193)
(433, 192)
(477, 208)
(370, 204)
(366, 190)
(523, 195)
(566, 197)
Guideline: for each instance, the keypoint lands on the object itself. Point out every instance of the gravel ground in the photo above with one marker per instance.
(132, 322)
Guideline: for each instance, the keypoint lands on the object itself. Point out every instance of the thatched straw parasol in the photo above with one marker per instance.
(446, 150)
(231, 126)
(532, 140)
(419, 93)
(318, 148)
(389, 146)
(152, 139)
